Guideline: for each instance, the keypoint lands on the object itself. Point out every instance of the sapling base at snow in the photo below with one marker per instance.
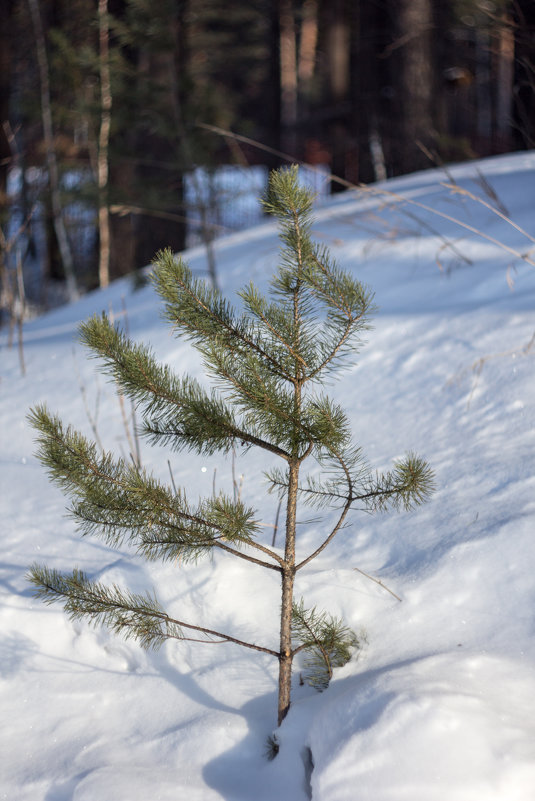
(268, 364)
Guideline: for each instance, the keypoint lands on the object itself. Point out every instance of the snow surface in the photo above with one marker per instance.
(440, 704)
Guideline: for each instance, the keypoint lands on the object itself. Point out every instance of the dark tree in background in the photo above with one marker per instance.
(412, 72)
(523, 20)
(370, 88)
(5, 69)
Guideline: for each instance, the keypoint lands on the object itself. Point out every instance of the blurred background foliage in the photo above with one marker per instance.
(141, 97)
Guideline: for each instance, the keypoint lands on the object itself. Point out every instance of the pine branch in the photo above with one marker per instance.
(247, 557)
(327, 642)
(206, 422)
(268, 408)
(341, 472)
(408, 485)
(343, 304)
(278, 329)
(341, 518)
(174, 434)
(115, 499)
(203, 314)
(177, 412)
(349, 305)
(139, 617)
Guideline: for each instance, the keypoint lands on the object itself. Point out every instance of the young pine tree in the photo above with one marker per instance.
(269, 363)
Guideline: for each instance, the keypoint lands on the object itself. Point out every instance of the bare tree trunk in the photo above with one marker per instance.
(51, 160)
(288, 76)
(272, 120)
(13, 301)
(176, 66)
(337, 57)
(21, 312)
(103, 145)
(7, 299)
(366, 80)
(412, 76)
(308, 43)
(483, 108)
(6, 43)
(504, 85)
(376, 152)
(337, 51)
(524, 88)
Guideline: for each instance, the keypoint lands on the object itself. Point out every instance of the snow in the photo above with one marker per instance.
(440, 703)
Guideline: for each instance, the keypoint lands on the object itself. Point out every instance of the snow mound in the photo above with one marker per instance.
(440, 705)
(444, 727)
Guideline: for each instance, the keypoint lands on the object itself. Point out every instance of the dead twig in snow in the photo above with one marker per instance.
(379, 582)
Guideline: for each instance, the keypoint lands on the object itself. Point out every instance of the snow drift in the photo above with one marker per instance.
(440, 705)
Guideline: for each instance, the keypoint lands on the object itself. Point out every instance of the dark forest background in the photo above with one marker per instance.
(108, 108)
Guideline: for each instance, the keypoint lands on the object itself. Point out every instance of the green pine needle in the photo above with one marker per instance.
(117, 501)
(133, 616)
(326, 641)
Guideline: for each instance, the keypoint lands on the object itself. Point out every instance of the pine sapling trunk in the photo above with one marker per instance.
(288, 577)
(288, 572)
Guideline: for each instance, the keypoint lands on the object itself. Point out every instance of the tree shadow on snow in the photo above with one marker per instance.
(244, 772)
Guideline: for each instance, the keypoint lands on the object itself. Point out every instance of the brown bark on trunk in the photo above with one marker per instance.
(288, 577)
(288, 76)
(288, 571)
(51, 160)
(6, 34)
(309, 43)
(410, 54)
(103, 146)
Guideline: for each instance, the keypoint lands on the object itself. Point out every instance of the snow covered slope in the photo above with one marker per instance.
(440, 704)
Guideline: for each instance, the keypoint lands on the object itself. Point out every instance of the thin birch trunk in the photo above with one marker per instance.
(103, 145)
(21, 312)
(51, 160)
(7, 298)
